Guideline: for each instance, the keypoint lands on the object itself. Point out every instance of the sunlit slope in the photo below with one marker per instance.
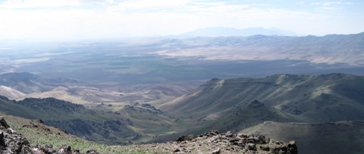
(329, 97)
(19, 86)
(10, 92)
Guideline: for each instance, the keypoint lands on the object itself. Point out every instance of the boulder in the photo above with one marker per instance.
(3, 123)
(186, 138)
(233, 143)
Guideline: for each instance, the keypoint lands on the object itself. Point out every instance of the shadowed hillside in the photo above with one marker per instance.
(320, 98)
(232, 104)
(301, 107)
(316, 138)
(246, 115)
(130, 124)
(36, 138)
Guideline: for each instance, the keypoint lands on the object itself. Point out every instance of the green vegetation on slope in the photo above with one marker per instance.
(102, 126)
(226, 104)
(316, 138)
(300, 95)
(38, 133)
(232, 104)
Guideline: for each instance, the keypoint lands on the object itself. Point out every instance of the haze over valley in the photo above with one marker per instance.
(123, 87)
(182, 76)
(150, 70)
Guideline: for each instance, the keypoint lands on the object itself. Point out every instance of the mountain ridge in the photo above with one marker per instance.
(10, 92)
(44, 139)
(227, 31)
(287, 93)
(222, 104)
(329, 50)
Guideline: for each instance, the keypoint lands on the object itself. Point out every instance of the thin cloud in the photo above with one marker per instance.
(148, 4)
(300, 3)
(175, 6)
(219, 7)
(332, 3)
(112, 18)
(26, 4)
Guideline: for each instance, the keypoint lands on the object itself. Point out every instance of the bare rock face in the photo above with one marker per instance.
(10, 141)
(215, 143)
(13, 143)
(3, 124)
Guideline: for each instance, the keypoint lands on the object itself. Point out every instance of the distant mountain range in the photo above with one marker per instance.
(329, 49)
(29, 83)
(226, 31)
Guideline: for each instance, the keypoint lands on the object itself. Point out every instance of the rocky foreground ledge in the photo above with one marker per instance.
(212, 142)
(13, 143)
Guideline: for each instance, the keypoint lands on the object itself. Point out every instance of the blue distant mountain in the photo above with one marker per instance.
(225, 31)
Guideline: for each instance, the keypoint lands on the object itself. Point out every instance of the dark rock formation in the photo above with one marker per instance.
(3, 123)
(232, 143)
(185, 138)
(255, 104)
(11, 142)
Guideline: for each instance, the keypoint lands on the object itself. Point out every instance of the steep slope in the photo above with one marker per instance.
(300, 107)
(330, 97)
(322, 98)
(316, 138)
(232, 119)
(32, 136)
(19, 135)
(246, 115)
(10, 92)
(102, 125)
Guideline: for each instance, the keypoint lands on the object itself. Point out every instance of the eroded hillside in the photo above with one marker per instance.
(221, 104)
(45, 139)
(320, 98)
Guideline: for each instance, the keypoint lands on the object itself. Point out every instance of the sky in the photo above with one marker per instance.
(68, 19)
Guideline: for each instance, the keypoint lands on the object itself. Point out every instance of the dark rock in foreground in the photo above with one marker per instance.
(13, 143)
(232, 143)
(211, 142)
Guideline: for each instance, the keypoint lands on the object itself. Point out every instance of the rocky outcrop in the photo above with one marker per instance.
(215, 143)
(10, 141)
(13, 143)
(65, 149)
(211, 142)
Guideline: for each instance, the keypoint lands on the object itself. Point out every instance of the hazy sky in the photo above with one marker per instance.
(125, 18)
